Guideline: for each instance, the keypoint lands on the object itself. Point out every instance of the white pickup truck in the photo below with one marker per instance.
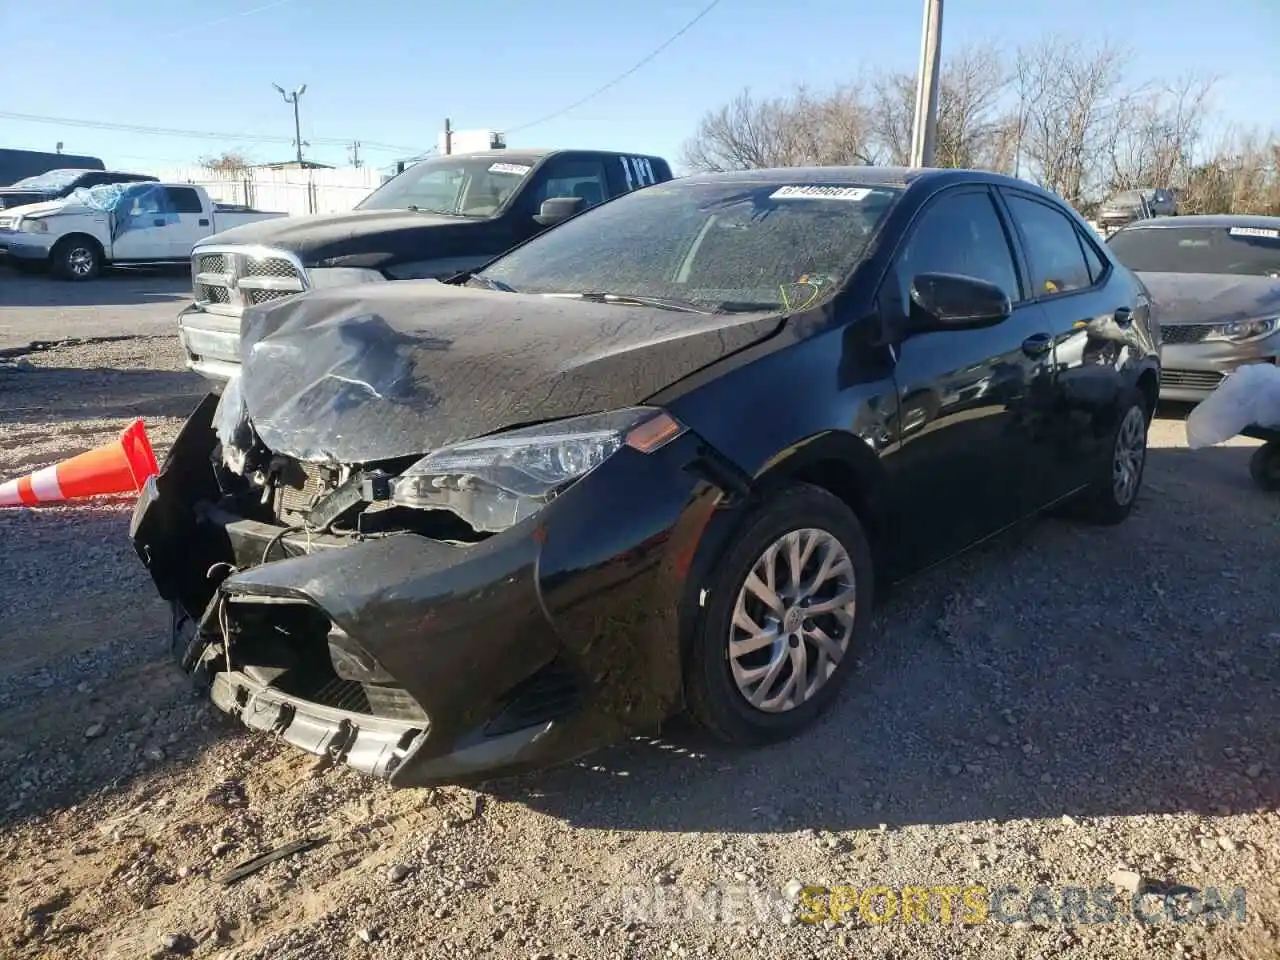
(118, 223)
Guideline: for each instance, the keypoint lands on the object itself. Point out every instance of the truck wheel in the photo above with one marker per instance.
(76, 258)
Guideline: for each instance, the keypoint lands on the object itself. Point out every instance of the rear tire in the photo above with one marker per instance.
(1264, 466)
(1110, 498)
(806, 551)
(76, 258)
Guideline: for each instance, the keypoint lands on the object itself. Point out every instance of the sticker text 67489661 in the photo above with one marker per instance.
(638, 171)
(1255, 232)
(815, 192)
(519, 169)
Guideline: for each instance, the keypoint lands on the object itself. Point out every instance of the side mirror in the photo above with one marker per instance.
(556, 209)
(948, 301)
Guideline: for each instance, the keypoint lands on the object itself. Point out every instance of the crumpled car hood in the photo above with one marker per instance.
(1211, 298)
(379, 371)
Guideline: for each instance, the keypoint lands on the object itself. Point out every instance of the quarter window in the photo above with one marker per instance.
(1058, 263)
(1097, 266)
(961, 234)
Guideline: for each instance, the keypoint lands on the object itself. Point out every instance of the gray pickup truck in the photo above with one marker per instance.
(439, 218)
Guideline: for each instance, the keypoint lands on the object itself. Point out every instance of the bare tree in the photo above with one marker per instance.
(971, 122)
(229, 161)
(803, 128)
(1061, 115)
(1071, 97)
(1158, 133)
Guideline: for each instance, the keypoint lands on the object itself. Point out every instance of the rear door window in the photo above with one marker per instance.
(1053, 244)
(184, 200)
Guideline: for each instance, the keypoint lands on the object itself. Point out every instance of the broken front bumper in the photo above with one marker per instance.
(423, 661)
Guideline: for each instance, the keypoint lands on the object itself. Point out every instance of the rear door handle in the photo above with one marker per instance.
(1123, 317)
(158, 221)
(204, 223)
(1037, 344)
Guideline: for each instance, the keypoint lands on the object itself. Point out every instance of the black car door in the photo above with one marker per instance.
(1087, 314)
(967, 398)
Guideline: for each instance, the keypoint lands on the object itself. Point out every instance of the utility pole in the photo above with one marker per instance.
(355, 153)
(925, 132)
(448, 136)
(297, 123)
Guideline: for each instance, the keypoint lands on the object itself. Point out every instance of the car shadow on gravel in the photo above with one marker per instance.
(1061, 669)
(114, 288)
(34, 393)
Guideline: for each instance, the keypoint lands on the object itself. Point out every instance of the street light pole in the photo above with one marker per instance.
(297, 122)
(925, 131)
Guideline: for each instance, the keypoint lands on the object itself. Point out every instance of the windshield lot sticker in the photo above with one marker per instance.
(1254, 232)
(519, 169)
(820, 193)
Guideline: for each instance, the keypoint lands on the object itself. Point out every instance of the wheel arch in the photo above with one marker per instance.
(1148, 383)
(841, 463)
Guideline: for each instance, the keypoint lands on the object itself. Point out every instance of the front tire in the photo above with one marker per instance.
(787, 608)
(1264, 466)
(76, 258)
(1110, 498)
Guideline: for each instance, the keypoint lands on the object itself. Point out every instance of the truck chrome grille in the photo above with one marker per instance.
(227, 281)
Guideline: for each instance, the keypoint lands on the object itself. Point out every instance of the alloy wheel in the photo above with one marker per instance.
(80, 261)
(792, 620)
(1130, 452)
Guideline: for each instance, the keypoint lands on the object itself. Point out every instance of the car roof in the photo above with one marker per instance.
(533, 155)
(1207, 220)
(900, 177)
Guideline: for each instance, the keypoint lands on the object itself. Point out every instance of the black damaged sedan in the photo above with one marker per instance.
(659, 458)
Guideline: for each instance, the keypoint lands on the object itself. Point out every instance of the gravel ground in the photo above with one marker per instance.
(1055, 707)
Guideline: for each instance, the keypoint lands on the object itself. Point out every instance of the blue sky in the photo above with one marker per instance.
(391, 70)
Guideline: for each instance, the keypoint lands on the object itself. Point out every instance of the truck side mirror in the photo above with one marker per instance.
(556, 209)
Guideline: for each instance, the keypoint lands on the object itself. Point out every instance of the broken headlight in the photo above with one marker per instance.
(494, 482)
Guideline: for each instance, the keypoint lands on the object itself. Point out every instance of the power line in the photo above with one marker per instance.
(194, 134)
(196, 27)
(620, 77)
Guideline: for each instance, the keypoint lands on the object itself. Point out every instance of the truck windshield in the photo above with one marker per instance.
(742, 245)
(50, 180)
(1240, 251)
(450, 185)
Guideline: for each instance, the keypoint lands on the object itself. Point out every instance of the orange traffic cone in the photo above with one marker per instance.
(120, 467)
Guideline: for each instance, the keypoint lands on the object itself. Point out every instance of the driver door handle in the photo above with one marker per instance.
(1037, 344)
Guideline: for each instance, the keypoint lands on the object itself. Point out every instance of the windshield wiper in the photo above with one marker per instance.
(489, 282)
(662, 303)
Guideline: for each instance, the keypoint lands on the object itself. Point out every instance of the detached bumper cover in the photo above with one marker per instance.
(372, 745)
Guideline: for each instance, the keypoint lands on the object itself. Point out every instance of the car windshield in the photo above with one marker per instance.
(49, 180)
(472, 187)
(725, 245)
(1242, 251)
